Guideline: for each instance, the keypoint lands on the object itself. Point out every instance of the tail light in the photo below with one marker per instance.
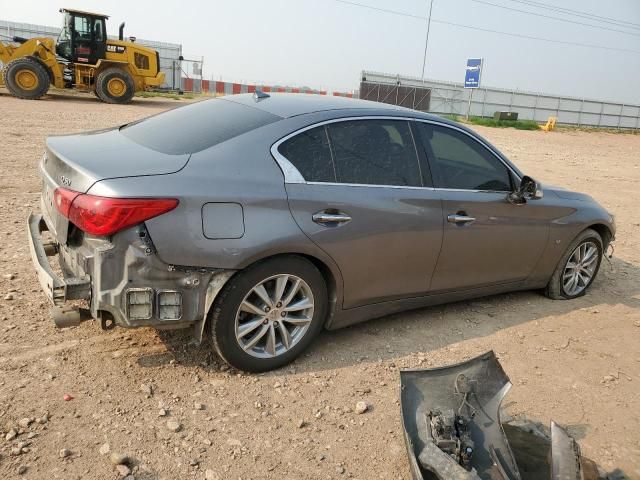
(103, 216)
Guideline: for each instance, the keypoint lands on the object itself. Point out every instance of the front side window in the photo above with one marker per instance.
(82, 27)
(309, 152)
(458, 161)
(374, 152)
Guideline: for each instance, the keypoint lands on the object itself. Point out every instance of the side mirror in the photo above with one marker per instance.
(529, 190)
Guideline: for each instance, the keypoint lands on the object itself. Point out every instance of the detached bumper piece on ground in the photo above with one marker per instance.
(452, 428)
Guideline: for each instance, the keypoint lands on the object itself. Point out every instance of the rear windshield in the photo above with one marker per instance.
(196, 127)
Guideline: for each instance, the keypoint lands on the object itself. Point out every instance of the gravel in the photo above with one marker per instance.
(105, 370)
(174, 426)
(361, 407)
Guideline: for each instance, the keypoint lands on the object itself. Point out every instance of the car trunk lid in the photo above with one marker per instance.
(76, 162)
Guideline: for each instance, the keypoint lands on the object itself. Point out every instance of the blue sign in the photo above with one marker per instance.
(472, 75)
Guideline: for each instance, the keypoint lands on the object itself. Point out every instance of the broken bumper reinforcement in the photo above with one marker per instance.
(57, 289)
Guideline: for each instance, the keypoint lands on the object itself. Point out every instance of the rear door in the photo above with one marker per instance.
(357, 189)
(487, 240)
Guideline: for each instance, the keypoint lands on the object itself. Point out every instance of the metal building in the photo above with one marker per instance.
(170, 53)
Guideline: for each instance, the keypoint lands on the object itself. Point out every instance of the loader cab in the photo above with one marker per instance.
(83, 38)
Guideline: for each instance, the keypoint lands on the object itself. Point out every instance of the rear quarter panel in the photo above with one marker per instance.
(239, 171)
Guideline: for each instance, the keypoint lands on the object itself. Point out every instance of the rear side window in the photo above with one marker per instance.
(460, 162)
(196, 127)
(310, 154)
(374, 152)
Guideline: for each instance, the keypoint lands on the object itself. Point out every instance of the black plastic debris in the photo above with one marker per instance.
(452, 428)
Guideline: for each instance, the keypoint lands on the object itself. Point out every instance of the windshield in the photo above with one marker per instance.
(196, 127)
(65, 33)
(63, 47)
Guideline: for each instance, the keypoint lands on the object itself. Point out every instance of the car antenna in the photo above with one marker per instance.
(259, 95)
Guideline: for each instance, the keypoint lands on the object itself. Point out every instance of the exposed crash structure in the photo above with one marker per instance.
(452, 427)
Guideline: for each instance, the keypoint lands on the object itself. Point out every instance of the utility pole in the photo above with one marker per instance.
(426, 42)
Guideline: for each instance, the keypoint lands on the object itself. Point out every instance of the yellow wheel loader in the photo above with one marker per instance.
(82, 58)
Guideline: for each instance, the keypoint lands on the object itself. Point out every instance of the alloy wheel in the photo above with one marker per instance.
(580, 268)
(274, 316)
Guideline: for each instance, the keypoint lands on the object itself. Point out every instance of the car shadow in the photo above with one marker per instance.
(426, 329)
(423, 330)
(432, 328)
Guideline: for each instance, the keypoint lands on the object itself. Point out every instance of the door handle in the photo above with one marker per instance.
(460, 219)
(325, 217)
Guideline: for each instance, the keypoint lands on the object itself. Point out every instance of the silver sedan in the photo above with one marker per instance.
(264, 219)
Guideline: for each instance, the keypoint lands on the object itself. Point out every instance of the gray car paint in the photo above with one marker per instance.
(503, 244)
(395, 233)
(90, 157)
(370, 271)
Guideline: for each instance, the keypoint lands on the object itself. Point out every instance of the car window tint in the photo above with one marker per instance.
(196, 127)
(458, 161)
(309, 152)
(374, 152)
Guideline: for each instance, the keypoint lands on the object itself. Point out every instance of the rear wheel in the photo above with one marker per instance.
(268, 314)
(114, 85)
(577, 268)
(26, 78)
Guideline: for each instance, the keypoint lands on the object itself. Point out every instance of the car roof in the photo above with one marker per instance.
(287, 105)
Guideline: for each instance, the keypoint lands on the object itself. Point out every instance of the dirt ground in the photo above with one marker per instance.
(577, 362)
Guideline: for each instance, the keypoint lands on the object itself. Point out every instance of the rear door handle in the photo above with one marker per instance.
(328, 218)
(457, 218)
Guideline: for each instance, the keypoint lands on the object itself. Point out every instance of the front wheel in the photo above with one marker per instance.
(577, 268)
(26, 78)
(267, 315)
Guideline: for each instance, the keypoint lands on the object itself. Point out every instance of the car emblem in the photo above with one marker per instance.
(65, 180)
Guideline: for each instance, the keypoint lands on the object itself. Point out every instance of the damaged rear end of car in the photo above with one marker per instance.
(101, 193)
(105, 254)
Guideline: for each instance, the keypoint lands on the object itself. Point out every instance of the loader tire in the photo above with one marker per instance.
(26, 78)
(114, 85)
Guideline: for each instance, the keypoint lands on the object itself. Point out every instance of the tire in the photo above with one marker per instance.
(556, 288)
(114, 85)
(26, 78)
(226, 315)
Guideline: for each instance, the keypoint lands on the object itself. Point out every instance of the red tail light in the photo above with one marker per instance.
(104, 216)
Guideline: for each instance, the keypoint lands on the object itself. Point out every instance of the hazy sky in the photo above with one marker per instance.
(325, 43)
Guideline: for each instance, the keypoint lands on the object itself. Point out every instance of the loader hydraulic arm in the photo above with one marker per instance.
(40, 49)
(5, 52)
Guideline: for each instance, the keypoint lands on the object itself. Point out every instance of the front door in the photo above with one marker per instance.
(487, 240)
(364, 203)
(88, 39)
